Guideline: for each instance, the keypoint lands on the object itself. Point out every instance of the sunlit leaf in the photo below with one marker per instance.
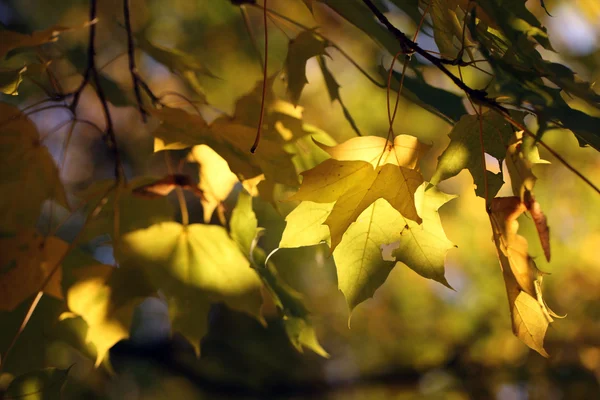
(304, 225)
(465, 152)
(521, 155)
(10, 80)
(360, 266)
(296, 317)
(522, 278)
(305, 46)
(216, 179)
(202, 256)
(423, 247)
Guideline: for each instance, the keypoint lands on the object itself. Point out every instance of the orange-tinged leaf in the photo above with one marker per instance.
(530, 315)
(29, 175)
(10, 40)
(162, 187)
(26, 260)
(541, 224)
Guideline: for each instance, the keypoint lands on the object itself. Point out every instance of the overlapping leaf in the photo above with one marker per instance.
(44, 384)
(26, 261)
(464, 150)
(201, 256)
(105, 297)
(530, 315)
(29, 175)
(296, 317)
(305, 46)
(231, 140)
(355, 185)
(10, 40)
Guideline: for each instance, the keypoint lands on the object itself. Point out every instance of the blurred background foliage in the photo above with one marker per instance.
(415, 338)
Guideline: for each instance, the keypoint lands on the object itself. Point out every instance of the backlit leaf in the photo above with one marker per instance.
(423, 247)
(464, 150)
(10, 40)
(305, 46)
(29, 175)
(202, 256)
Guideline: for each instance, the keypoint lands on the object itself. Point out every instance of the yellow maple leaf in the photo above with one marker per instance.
(361, 171)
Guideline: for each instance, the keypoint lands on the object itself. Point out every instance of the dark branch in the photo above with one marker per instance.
(131, 55)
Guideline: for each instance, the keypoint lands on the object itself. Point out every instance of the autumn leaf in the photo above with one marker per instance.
(10, 40)
(29, 175)
(296, 317)
(305, 46)
(105, 297)
(530, 315)
(522, 154)
(361, 269)
(26, 260)
(355, 185)
(305, 225)
(464, 150)
(10, 80)
(231, 140)
(423, 247)
(202, 256)
(162, 187)
(216, 179)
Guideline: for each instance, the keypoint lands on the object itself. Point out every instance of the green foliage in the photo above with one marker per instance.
(100, 234)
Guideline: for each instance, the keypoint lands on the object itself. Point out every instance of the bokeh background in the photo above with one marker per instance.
(415, 338)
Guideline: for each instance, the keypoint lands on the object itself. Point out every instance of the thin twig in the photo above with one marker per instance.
(264, 88)
(131, 56)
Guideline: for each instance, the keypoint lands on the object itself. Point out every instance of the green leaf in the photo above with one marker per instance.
(296, 318)
(445, 27)
(29, 175)
(360, 266)
(464, 150)
(304, 225)
(46, 384)
(305, 46)
(423, 247)
(442, 103)
(202, 256)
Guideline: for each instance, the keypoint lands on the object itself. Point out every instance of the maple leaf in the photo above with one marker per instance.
(26, 260)
(216, 179)
(296, 318)
(464, 150)
(530, 315)
(105, 297)
(521, 155)
(355, 185)
(13, 40)
(29, 175)
(423, 247)
(305, 46)
(202, 256)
